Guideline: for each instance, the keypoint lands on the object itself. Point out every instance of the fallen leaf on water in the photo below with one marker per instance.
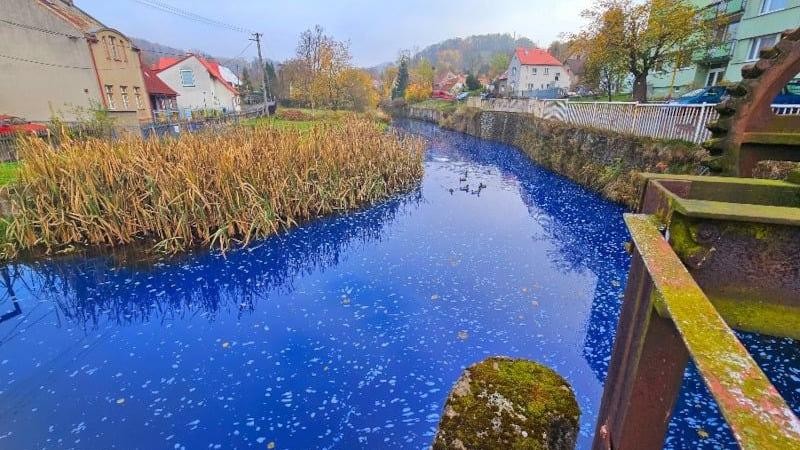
(702, 433)
(463, 335)
(435, 297)
(271, 445)
(226, 344)
(535, 303)
(120, 401)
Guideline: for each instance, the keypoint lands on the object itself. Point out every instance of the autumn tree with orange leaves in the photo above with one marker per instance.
(643, 37)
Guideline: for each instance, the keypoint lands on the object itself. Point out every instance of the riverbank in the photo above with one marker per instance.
(212, 189)
(604, 161)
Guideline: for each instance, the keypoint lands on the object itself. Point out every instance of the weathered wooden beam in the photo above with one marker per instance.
(758, 416)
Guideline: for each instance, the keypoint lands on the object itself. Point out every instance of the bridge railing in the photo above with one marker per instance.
(654, 120)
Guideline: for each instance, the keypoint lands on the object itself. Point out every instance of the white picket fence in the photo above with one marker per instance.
(655, 120)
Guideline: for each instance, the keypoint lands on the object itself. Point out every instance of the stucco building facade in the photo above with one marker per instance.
(44, 74)
(200, 85)
(534, 70)
(745, 27)
(66, 63)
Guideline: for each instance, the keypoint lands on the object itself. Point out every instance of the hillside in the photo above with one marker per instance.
(473, 53)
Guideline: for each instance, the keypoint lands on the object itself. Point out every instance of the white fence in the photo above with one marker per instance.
(656, 120)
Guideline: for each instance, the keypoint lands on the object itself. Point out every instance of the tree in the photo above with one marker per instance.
(499, 64)
(401, 82)
(359, 94)
(643, 36)
(316, 71)
(560, 50)
(245, 84)
(423, 73)
(472, 82)
(388, 78)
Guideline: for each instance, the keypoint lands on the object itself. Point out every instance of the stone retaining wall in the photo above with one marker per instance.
(605, 161)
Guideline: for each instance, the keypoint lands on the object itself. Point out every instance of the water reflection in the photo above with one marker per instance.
(88, 291)
(568, 217)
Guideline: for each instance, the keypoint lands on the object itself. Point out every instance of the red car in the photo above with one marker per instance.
(442, 95)
(14, 125)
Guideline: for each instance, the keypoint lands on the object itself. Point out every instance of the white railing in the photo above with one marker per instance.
(655, 120)
(786, 110)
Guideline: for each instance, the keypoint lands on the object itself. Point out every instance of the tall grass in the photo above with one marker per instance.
(206, 189)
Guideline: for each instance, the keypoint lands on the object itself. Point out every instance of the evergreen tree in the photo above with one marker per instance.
(246, 82)
(472, 82)
(401, 83)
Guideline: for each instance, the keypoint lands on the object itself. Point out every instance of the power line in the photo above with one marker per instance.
(41, 30)
(164, 7)
(15, 58)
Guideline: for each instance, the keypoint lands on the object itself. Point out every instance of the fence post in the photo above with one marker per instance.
(701, 123)
(635, 118)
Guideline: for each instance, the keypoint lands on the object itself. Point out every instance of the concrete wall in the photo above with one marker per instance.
(605, 161)
(206, 93)
(38, 91)
(530, 78)
(118, 67)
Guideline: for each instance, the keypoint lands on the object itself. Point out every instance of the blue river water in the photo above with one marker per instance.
(344, 333)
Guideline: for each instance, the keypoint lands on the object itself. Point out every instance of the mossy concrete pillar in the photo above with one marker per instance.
(510, 404)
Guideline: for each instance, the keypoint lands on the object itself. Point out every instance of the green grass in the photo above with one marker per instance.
(303, 125)
(439, 105)
(8, 173)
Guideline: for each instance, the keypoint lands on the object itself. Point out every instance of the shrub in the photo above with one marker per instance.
(293, 114)
(210, 189)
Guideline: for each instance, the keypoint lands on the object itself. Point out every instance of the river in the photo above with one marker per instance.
(344, 333)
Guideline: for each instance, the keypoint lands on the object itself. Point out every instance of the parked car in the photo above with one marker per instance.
(710, 95)
(462, 96)
(789, 95)
(13, 125)
(442, 95)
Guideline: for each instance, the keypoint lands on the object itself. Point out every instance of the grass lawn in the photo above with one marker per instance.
(8, 172)
(437, 104)
(303, 119)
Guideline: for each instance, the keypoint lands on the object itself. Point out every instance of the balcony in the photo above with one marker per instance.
(725, 9)
(715, 54)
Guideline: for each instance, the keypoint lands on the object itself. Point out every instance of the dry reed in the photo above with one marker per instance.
(205, 189)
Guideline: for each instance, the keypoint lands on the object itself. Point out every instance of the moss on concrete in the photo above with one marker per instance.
(605, 161)
(510, 404)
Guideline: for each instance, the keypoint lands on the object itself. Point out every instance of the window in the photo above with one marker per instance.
(730, 32)
(114, 53)
(187, 77)
(715, 76)
(105, 45)
(534, 70)
(558, 74)
(110, 96)
(124, 92)
(772, 5)
(546, 70)
(759, 44)
(137, 92)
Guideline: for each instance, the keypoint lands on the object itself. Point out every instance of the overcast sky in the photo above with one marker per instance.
(377, 30)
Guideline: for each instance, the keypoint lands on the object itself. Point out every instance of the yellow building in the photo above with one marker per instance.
(116, 62)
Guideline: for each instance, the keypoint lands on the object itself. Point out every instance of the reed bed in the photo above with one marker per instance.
(216, 190)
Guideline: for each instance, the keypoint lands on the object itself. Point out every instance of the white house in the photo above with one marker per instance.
(534, 69)
(200, 84)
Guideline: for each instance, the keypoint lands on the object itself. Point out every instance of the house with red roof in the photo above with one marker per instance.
(163, 99)
(200, 84)
(533, 71)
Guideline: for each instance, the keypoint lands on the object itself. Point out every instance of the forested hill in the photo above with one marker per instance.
(473, 53)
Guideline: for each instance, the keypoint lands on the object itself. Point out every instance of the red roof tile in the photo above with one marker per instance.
(155, 85)
(536, 57)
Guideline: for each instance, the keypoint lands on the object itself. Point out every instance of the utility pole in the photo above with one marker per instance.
(263, 69)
